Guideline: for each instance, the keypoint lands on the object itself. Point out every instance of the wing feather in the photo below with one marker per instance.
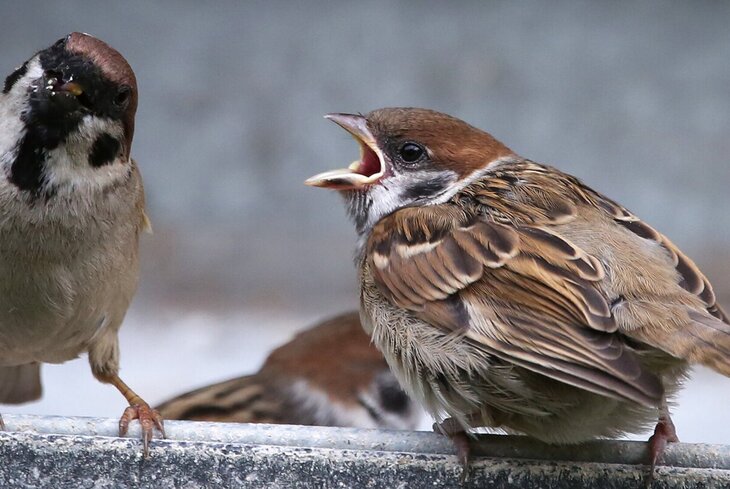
(521, 293)
(692, 279)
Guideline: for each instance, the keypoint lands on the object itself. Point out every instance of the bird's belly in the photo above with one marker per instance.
(451, 377)
(43, 317)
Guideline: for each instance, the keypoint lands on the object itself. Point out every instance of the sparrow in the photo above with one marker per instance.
(505, 293)
(328, 375)
(72, 211)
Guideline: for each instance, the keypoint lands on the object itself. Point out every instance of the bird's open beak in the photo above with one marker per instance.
(365, 171)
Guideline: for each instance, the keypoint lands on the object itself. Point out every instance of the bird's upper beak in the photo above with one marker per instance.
(70, 87)
(365, 171)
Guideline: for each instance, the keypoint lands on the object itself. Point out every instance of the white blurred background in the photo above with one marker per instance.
(633, 98)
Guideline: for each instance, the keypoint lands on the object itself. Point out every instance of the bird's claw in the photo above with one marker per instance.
(664, 433)
(149, 419)
(459, 438)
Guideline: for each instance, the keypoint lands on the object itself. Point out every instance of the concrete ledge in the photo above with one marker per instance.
(56, 452)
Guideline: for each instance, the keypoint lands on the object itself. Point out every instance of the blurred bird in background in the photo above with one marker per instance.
(328, 375)
(72, 210)
(505, 293)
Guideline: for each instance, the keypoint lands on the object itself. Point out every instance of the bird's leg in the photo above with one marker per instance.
(2, 423)
(451, 428)
(138, 409)
(664, 433)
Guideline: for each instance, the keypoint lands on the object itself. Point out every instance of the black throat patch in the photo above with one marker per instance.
(27, 171)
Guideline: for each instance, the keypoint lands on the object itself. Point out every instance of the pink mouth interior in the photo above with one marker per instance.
(370, 163)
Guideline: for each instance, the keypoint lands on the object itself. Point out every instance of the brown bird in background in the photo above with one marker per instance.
(328, 375)
(507, 294)
(72, 210)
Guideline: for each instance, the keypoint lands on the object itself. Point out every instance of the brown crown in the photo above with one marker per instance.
(113, 66)
(454, 144)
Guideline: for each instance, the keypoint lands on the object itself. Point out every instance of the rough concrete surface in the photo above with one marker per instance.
(96, 460)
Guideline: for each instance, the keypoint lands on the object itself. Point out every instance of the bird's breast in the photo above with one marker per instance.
(58, 287)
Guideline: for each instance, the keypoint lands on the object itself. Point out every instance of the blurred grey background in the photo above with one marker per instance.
(634, 98)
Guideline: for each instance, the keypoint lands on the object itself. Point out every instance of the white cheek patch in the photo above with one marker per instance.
(385, 198)
(399, 190)
(67, 167)
(12, 105)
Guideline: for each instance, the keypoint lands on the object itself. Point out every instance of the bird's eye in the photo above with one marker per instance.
(411, 152)
(122, 96)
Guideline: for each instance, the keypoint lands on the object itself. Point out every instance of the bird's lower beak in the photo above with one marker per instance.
(365, 171)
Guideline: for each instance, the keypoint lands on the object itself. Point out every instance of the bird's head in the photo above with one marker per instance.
(68, 116)
(408, 157)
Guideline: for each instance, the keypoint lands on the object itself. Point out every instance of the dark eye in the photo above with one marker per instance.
(411, 152)
(122, 96)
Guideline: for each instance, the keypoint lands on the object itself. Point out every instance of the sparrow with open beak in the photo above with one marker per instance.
(328, 375)
(72, 210)
(505, 293)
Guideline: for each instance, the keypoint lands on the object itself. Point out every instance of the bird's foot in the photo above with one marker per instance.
(149, 419)
(451, 428)
(664, 433)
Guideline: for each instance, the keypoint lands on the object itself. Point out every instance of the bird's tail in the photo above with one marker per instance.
(20, 383)
(706, 340)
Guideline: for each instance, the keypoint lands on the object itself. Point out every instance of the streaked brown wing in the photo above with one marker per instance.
(249, 399)
(522, 293)
(692, 279)
(548, 197)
